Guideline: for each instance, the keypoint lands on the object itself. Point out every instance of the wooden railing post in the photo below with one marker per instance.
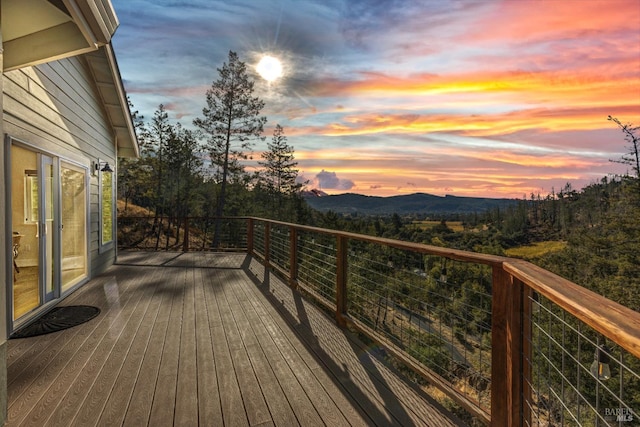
(341, 280)
(506, 350)
(293, 257)
(250, 236)
(185, 245)
(527, 353)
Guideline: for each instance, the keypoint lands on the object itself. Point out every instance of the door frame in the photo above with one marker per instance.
(56, 234)
(49, 239)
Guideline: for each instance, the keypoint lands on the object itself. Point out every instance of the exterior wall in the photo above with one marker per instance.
(56, 107)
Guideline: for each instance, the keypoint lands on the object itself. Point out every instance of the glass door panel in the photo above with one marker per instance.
(25, 216)
(73, 228)
(35, 207)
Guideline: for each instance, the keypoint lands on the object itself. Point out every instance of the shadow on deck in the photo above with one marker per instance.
(205, 339)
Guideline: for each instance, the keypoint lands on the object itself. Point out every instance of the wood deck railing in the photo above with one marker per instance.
(527, 304)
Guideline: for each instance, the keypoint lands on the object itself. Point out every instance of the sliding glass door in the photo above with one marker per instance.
(49, 227)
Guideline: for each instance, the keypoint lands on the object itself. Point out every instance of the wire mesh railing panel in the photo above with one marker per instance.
(165, 233)
(232, 234)
(150, 233)
(139, 233)
(437, 311)
(573, 376)
(317, 264)
(201, 233)
(259, 233)
(279, 246)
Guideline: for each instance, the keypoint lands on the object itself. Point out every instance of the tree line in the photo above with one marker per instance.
(202, 172)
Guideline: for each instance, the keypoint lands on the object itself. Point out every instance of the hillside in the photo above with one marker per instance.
(417, 203)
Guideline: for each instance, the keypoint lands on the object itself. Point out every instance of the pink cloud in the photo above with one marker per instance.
(533, 20)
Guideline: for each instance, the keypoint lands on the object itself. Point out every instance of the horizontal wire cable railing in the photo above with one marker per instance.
(510, 342)
(445, 326)
(187, 233)
(489, 339)
(439, 325)
(317, 266)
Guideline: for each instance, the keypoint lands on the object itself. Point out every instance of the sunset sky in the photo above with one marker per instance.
(487, 98)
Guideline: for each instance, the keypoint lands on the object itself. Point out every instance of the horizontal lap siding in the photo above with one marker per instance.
(56, 107)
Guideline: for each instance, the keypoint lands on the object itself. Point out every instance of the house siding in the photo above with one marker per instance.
(56, 107)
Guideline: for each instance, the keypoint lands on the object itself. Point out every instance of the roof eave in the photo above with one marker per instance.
(92, 24)
(106, 73)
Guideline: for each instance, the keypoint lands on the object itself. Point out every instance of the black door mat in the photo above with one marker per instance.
(58, 319)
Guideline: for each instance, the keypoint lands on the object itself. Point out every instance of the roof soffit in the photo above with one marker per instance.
(38, 31)
(104, 68)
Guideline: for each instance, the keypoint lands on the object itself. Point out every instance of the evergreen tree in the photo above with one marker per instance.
(632, 157)
(231, 122)
(130, 176)
(279, 177)
(183, 167)
(154, 146)
(280, 166)
(155, 142)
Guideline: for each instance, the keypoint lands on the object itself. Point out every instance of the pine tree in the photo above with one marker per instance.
(155, 140)
(183, 165)
(280, 167)
(130, 176)
(279, 180)
(632, 157)
(231, 122)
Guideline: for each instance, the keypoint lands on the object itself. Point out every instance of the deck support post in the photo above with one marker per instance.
(341, 280)
(506, 350)
(527, 352)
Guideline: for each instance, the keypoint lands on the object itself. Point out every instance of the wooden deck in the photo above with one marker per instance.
(204, 339)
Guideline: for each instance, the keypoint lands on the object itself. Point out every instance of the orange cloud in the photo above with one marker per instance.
(588, 118)
(560, 87)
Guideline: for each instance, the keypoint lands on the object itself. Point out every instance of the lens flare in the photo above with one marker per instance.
(269, 68)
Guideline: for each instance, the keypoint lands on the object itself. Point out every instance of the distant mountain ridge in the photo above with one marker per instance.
(416, 203)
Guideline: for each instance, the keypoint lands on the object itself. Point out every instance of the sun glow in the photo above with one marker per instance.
(269, 68)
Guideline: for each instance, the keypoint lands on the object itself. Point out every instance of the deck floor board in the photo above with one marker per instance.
(118, 375)
(113, 343)
(136, 410)
(204, 339)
